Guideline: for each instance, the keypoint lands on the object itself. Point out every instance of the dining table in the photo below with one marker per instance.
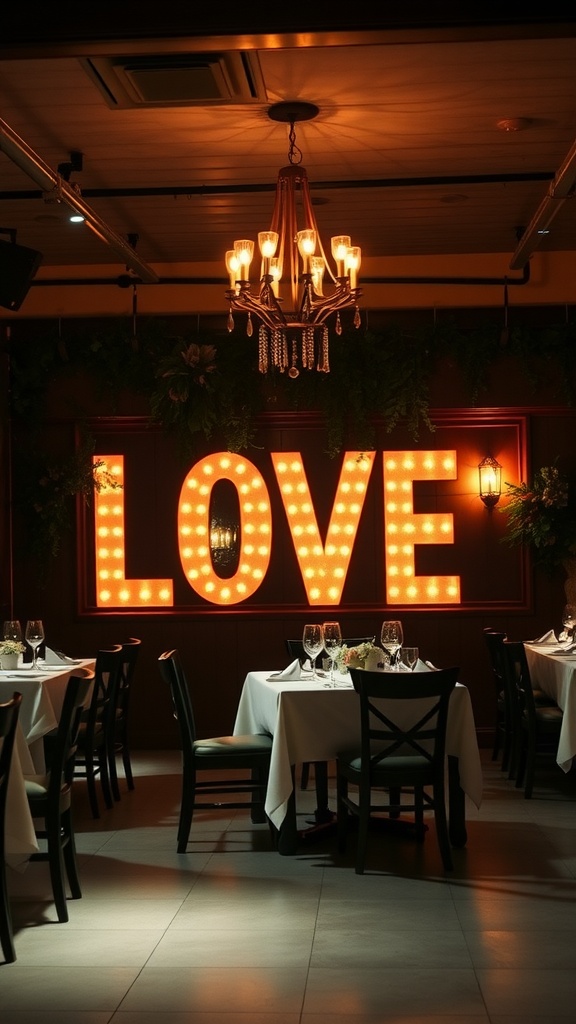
(310, 721)
(42, 697)
(552, 668)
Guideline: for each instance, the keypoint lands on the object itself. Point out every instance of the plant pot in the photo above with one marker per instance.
(8, 661)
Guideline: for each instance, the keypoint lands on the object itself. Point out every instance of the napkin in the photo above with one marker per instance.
(548, 638)
(57, 658)
(292, 673)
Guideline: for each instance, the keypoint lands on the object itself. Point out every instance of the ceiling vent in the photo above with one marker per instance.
(170, 80)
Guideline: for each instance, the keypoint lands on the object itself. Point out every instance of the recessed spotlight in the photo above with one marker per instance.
(76, 218)
(513, 124)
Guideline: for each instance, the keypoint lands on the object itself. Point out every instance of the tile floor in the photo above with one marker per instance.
(233, 933)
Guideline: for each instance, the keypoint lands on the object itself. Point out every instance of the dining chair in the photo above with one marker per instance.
(119, 740)
(234, 753)
(402, 750)
(9, 712)
(295, 649)
(503, 725)
(537, 724)
(96, 732)
(50, 796)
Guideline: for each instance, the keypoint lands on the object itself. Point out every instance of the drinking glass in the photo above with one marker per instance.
(12, 630)
(313, 643)
(409, 657)
(569, 620)
(332, 644)
(34, 637)
(392, 638)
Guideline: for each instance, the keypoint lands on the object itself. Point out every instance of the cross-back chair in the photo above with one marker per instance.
(403, 722)
(50, 795)
(96, 733)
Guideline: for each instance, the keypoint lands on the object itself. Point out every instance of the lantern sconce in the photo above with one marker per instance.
(490, 476)
(223, 541)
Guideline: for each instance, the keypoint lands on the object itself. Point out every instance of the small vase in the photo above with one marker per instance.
(8, 662)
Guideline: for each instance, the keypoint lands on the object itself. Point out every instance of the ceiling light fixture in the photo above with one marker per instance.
(290, 247)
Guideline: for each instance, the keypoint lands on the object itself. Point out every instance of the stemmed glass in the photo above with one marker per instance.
(313, 643)
(392, 638)
(409, 657)
(332, 644)
(34, 637)
(569, 621)
(12, 630)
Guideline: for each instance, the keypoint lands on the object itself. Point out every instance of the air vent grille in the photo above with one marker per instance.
(161, 80)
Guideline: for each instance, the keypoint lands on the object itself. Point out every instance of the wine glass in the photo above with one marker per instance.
(392, 638)
(569, 620)
(12, 630)
(313, 643)
(34, 637)
(332, 644)
(409, 657)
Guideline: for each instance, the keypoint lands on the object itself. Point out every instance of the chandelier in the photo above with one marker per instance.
(293, 326)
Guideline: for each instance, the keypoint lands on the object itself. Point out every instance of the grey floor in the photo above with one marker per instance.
(232, 932)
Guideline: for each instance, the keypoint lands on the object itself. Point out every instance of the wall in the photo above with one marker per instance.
(220, 645)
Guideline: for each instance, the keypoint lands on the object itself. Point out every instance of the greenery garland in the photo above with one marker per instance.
(196, 386)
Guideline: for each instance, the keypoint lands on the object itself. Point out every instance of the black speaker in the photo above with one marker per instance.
(17, 268)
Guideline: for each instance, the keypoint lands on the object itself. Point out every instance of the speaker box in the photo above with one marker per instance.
(18, 266)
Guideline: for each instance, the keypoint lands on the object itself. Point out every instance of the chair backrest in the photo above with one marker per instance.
(390, 729)
(518, 681)
(295, 649)
(173, 673)
(63, 751)
(107, 671)
(130, 652)
(493, 640)
(9, 712)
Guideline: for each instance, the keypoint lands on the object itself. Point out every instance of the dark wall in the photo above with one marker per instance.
(219, 646)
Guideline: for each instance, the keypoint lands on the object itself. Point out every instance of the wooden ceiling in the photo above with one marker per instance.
(429, 139)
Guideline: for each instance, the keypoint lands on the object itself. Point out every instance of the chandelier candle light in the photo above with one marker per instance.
(293, 248)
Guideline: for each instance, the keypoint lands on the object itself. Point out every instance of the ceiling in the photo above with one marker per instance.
(429, 140)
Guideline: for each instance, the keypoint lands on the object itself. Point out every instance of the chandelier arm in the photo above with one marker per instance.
(311, 218)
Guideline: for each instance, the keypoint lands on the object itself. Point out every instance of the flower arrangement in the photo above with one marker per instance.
(12, 647)
(356, 657)
(543, 516)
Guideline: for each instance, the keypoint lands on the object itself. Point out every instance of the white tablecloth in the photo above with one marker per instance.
(555, 674)
(309, 722)
(39, 713)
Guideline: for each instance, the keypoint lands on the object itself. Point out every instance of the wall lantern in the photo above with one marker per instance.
(223, 541)
(490, 476)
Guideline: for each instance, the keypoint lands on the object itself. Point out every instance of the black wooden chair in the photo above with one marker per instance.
(119, 739)
(537, 725)
(50, 796)
(504, 712)
(397, 757)
(234, 753)
(96, 733)
(9, 712)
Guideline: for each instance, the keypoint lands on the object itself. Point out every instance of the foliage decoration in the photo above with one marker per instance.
(542, 515)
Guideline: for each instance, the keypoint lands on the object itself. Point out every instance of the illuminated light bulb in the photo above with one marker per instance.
(105, 595)
(296, 467)
(240, 468)
(145, 594)
(193, 574)
(124, 595)
(103, 531)
(406, 508)
(204, 489)
(317, 268)
(241, 588)
(309, 573)
(391, 506)
(392, 528)
(339, 573)
(232, 266)
(244, 251)
(104, 574)
(191, 483)
(301, 488)
(428, 528)
(393, 570)
(306, 242)
(346, 486)
(281, 467)
(225, 594)
(391, 485)
(315, 594)
(340, 245)
(208, 469)
(117, 531)
(276, 274)
(209, 588)
(394, 592)
(352, 264)
(257, 574)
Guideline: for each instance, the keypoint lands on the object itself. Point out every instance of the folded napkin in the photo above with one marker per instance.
(292, 673)
(57, 658)
(548, 638)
